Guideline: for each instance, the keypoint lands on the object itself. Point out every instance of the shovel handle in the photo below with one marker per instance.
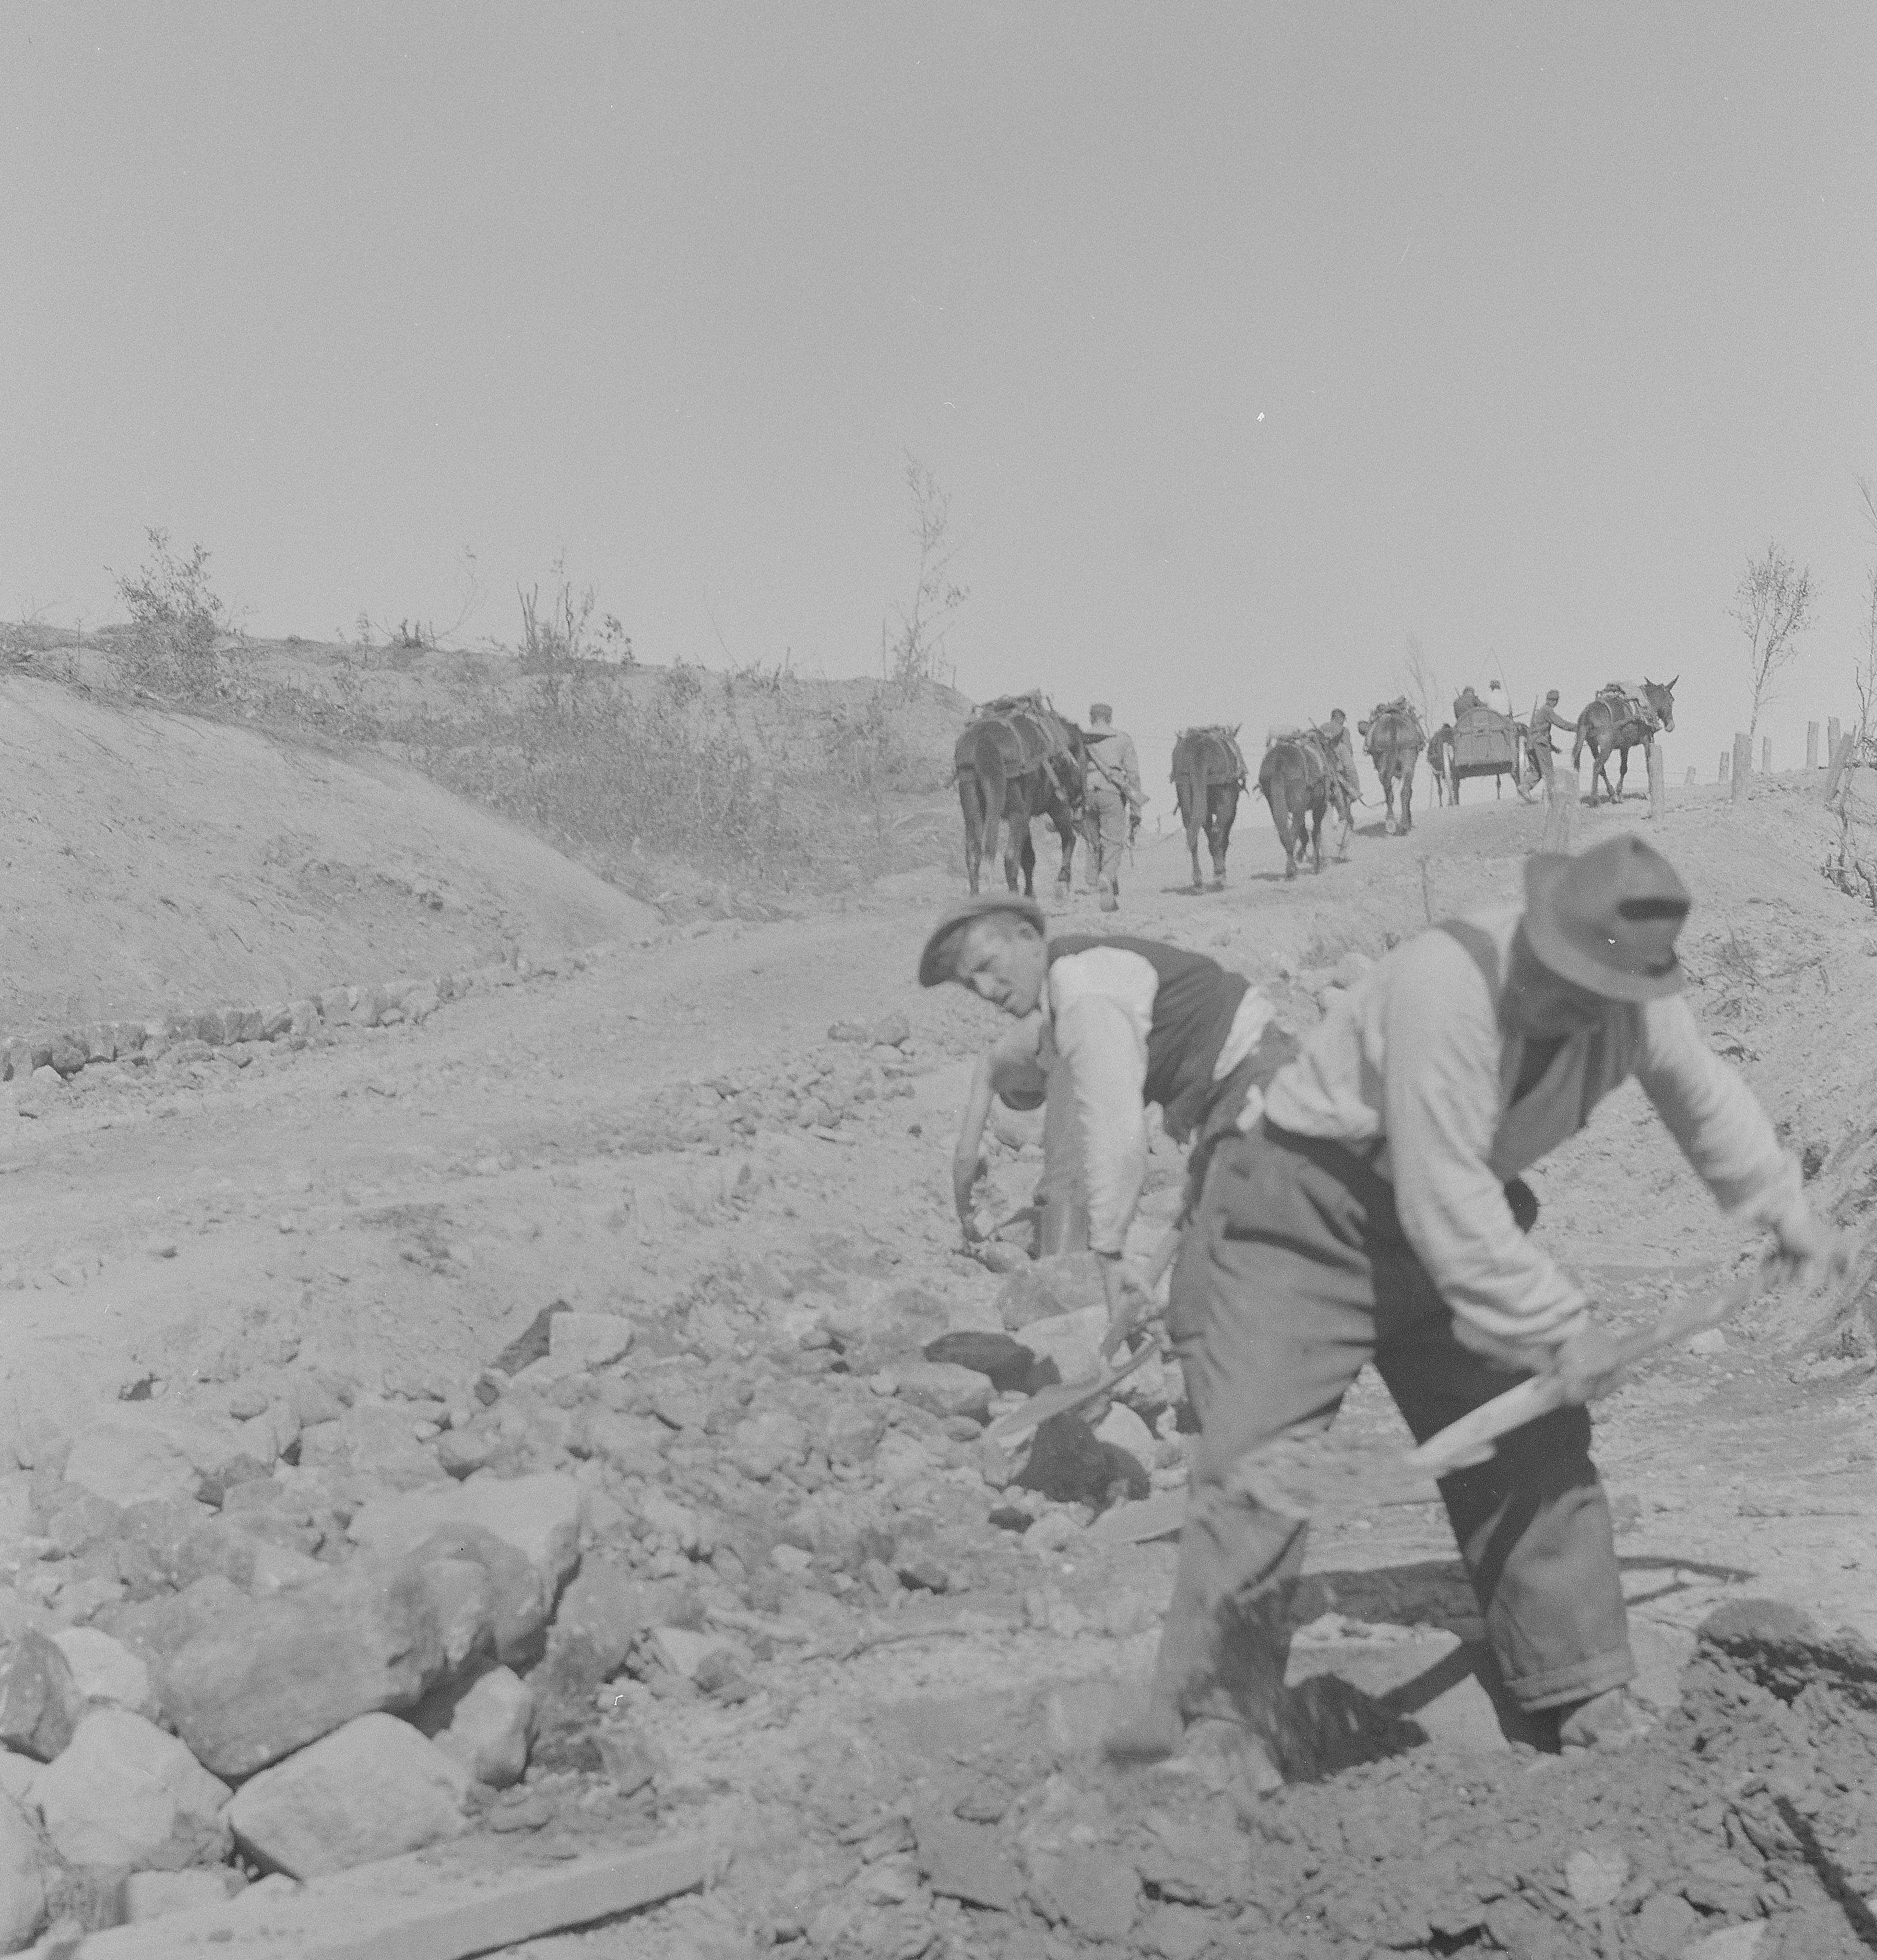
(1470, 1439)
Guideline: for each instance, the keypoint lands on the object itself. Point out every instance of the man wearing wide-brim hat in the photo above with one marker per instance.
(1367, 1217)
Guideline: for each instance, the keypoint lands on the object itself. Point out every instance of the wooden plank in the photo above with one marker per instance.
(1811, 745)
(1658, 783)
(1160, 1516)
(1840, 759)
(428, 1906)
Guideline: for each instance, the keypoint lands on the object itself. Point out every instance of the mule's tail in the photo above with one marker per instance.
(994, 790)
(1197, 790)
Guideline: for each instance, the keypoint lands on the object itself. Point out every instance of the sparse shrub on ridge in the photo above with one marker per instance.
(171, 645)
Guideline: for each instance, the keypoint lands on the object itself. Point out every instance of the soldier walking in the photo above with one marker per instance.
(1544, 718)
(1112, 796)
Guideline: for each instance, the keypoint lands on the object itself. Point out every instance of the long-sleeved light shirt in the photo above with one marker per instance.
(1133, 1022)
(1111, 759)
(1415, 1067)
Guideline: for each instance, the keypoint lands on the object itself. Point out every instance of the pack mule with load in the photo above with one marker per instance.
(1622, 718)
(1209, 775)
(1392, 736)
(1018, 760)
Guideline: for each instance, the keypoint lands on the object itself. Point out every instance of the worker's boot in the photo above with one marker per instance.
(1606, 1721)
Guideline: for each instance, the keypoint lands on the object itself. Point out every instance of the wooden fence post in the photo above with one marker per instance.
(1841, 762)
(1831, 736)
(1811, 745)
(1722, 777)
(1690, 783)
(1657, 783)
(1743, 767)
(1766, 755)
(1560, 811)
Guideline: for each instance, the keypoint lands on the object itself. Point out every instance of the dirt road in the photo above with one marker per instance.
(666, 1130)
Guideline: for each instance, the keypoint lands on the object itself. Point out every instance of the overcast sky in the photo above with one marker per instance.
(1247, 341)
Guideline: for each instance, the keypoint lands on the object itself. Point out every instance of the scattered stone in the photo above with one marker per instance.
(761, 1444)
(124, 1793)
(892, 1030)
(588, 1340)
(41, 1704)
(966, 1862)
(369, 1790)
(1095, 1893)
(1071, 1341)
(516, 1599)
(627, 1757)
(944, 1389)
(1045, 1288)
(105, 1671)
(539, 1516)
(127, 1461)
(492, 1728)
(1709, 1341)
(272, 1675)
(22, 1884)
(1122, 1429)
(1665, 1926)
(1595, 1874)
(1069, 1464)
(148, 1895)
(1731, 1942)
(532, 1342)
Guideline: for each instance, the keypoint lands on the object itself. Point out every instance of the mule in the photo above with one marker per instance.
(1294, 781)
(1604, 726)
(1018, 760)
(1209, 775)
(1394, 740)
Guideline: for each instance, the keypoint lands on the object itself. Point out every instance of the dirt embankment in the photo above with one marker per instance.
(156, 860)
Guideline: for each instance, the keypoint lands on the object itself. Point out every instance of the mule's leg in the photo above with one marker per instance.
(1194, 824)
(1408, 801)
(1026, 857)
(1064, 820)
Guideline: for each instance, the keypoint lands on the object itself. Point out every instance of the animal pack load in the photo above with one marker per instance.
(1016, 760)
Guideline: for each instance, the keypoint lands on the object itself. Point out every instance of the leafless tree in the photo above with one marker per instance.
(1423, 684)
(1867, 653)
(1772, 604)
(916, 651)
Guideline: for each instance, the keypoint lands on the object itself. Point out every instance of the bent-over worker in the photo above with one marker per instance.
(1017, 1070)
(1131, 1022)
(1112, 796)
(1366, 1218)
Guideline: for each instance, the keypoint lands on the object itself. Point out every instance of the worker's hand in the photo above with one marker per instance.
(1808, 1243)
(1129, 1301)
(965, 1172)
(1588, 1365)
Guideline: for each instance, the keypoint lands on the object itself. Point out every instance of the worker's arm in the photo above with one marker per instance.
(1130, 770)
(1440, 1112)
(1718, 1121)
(1017, 1046)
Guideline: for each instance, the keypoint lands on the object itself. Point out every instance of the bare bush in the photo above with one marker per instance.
(1772, 604)
(1421, 684)
(170, 646)
(916, 653)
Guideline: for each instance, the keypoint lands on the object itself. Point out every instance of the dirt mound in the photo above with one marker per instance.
(154, 860)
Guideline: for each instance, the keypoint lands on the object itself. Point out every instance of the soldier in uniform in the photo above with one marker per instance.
(1544, 718)
(1111, 795)
(1342, 752)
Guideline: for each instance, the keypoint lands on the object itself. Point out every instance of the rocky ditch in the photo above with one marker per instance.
(267, 1630)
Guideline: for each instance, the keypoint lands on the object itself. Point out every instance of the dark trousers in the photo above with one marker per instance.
(1294, 1273)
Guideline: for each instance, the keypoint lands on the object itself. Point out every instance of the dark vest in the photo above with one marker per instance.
(1193, 1009)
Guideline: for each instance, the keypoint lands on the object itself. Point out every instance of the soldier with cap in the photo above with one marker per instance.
(1367, 1216)
(1335, 733)
(1112, 797)
(1125, 1022)
(1539, 743)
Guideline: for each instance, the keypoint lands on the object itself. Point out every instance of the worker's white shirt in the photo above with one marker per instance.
(1414, 1057)
(1098, 1006)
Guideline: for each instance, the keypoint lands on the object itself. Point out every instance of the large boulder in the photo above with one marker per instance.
(518, 1596)
(276, 1674)
(124, 1793)
(539, 1516)
(370, 1790)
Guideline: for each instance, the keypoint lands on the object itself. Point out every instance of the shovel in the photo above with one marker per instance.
(1300, 1475)
(1065, 1397)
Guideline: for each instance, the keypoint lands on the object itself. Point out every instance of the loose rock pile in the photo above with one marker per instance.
(306, 1625)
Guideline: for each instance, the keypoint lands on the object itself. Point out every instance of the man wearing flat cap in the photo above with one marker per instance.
(1539, 743)
(1120, 1024)
(1368, 1216)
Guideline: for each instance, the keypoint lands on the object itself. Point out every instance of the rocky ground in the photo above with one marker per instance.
(521, 1422)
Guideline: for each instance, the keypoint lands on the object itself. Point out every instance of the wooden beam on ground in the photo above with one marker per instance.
(431, 1905)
